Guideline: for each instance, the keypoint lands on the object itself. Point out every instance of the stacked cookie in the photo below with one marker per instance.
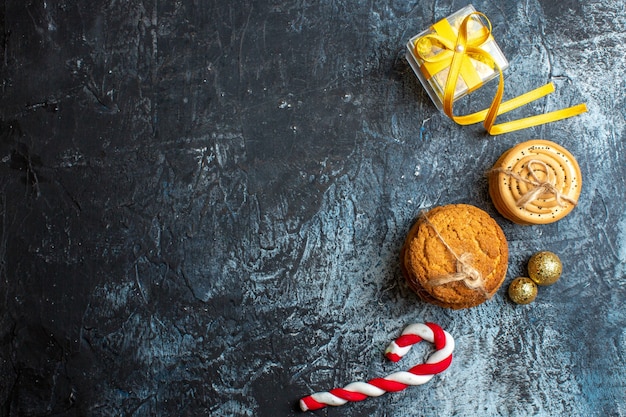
(455, 256)
(535, 182)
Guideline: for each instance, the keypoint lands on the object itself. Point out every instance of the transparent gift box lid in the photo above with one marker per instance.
(435, 84)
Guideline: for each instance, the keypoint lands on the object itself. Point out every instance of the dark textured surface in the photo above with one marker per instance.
(202, 204)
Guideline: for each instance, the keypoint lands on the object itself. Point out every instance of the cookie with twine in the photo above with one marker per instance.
(455, 256)
(535, 182)
(455, 49)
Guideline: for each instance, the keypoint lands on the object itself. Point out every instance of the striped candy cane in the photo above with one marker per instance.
(420, 374)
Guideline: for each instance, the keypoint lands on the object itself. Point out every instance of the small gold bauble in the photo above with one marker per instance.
(544, 268)
(522, 290)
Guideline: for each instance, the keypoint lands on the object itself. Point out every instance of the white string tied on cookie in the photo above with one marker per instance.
(465, 272)
(540, 187)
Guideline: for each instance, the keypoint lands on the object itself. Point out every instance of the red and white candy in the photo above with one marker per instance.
(419, 374)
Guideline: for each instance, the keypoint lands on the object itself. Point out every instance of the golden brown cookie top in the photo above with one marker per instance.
(535, 182)
(455, 256)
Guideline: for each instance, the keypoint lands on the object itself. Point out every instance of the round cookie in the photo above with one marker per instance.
(535, 182)
(444, 243)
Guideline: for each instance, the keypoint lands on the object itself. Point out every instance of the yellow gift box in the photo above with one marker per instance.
(458, 55)
(430, 54)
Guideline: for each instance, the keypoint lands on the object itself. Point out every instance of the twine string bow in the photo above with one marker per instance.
(539, 187)
(465, 272)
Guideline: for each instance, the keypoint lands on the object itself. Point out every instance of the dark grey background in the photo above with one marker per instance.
(202, 205)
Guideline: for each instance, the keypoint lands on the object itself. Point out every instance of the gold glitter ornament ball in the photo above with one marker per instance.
(544, 268)
(522, 290)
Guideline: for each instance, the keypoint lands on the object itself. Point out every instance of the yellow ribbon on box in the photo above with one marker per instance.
(433, 65)
(455, 55)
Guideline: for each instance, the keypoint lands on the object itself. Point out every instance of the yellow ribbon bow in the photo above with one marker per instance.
(455, 55)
